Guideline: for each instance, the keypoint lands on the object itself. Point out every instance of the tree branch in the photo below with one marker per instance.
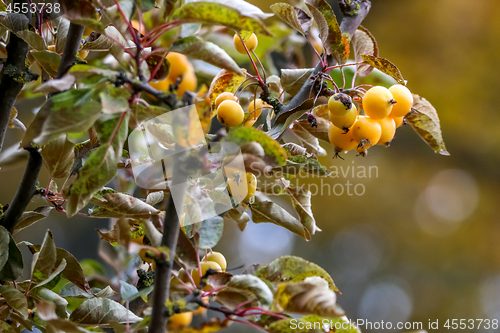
(12, 79)
(27, 187)
(170, 100)
(171, 229)
(26, 190)
(349, 25)
(73, 40)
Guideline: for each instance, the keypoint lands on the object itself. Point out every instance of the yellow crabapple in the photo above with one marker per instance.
(366, 131)
(180, 320)
(398, 121)
(225, 96)
(388, 127)
(218, 258)
(378, 102)
(341, 140)
(339, 104)
(251, 43)
(345, 122)
(404, 100)
(230, 113)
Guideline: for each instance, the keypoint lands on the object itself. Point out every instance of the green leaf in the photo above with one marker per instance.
(295, 165)
(267, 211)
(234, 14)
(92, 267)
(210, 232)
(58, 156)
(293, 269)
(73, 271)
(56, 304)
(197, 48)
(55, 85)
(44, 261)
(33, 39)
(293, 79)
(15, 299)
(100, 312)
(245, 287)
(124, 205)
(54, 277)
(141, 112)
(306, 298)
(425, 121)
(48, 60)
(4, 246)
(11, 259)
(90, 23)
(363, 42)
(100, 167)
(68, 112)
(61, 26)
(114, 99)
(272, 148)
(384, 66)
(106, 41)
(329, 29)
(294, 16)
(313, 324)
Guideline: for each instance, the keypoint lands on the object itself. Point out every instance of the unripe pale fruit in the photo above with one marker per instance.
(242, 191)
(251, 43)
(367, 132)
(345, 122)
(388, 130)
(404, 100)
(339, 104)
(180, 320)
(218, 258)
(398, 121)
(205, 266)
(378, 102)
(340, 140)
(230, 113)
(225, 96)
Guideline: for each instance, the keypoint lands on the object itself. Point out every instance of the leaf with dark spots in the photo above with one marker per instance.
(385, 66)
(424, 119)
(293, 269)
(294, 16)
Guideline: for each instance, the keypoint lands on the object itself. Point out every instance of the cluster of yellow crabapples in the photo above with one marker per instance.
(213, 260)
(384, 112)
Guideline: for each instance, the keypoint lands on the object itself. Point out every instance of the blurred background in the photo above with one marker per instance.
(422, 242)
